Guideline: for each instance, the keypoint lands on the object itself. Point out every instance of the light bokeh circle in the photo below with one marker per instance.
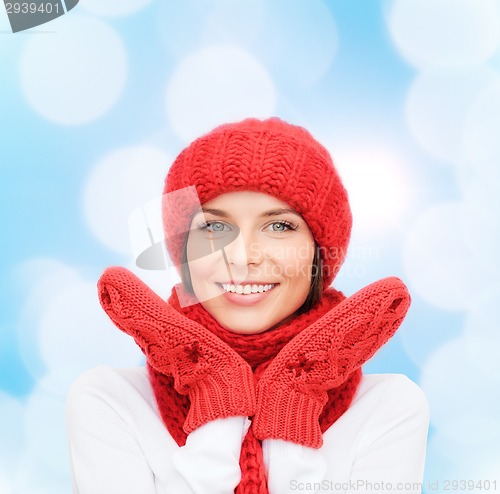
(480, 224)
(63, 328)
(445, 33)
(5, 487)
(456, 388)
(482, 336)
(35, 476)
(461, 448)
(76, 334)
(298, 41)
(179, 26)
(489, 469)
(379, 187)
(215, 85)
(238, 22)
(439, 264)
(481, 134)
(76, 75)
(437, 105)
(11, 432)
(46, 429)
(41, 279)
(119, 183)
(424, 331)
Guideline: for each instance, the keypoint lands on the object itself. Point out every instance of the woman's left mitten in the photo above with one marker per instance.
(293, 390)
(217, 380)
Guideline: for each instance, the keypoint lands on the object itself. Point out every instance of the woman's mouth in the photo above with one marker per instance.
(247, 293)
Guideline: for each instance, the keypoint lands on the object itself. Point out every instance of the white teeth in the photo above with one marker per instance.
(247, 289)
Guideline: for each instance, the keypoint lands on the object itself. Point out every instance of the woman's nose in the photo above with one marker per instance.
(243, 250)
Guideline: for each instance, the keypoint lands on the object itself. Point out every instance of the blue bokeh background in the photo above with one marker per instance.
(95, 105)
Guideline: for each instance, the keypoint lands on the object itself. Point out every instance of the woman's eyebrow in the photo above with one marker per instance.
(265, 214)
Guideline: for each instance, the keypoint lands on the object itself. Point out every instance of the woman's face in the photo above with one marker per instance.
(267, 251)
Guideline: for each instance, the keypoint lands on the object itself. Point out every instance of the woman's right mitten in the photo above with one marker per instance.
(217, 380)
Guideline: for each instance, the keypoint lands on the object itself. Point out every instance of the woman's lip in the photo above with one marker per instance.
(250, 299)
(248, 282)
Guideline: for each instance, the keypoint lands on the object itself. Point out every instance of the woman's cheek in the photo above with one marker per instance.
(202, 272)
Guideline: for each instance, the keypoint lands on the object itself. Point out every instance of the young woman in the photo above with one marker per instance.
(253, 379)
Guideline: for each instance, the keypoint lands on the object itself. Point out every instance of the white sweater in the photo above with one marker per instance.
(119, 444)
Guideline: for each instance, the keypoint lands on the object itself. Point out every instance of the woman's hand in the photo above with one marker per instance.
(218, 381)
(293, 389)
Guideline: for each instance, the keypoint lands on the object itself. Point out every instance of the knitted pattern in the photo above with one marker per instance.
(298, 368)
(292, 391)
(269, 156)
(295, 380)
(258, 350)
(217, 380)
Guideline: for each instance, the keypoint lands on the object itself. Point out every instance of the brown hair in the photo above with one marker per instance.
(315, 289)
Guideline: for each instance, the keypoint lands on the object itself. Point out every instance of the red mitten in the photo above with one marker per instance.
(292, 391)
(217, 380)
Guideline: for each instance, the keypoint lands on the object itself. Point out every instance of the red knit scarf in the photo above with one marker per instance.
(258, 350)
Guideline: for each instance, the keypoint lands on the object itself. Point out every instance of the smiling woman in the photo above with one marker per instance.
(254, 357)
(254, 272)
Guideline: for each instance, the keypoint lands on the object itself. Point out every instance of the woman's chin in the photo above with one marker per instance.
(238, 328)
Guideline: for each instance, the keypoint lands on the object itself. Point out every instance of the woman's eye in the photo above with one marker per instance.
(212, 226)
(283, 226)
(218, 227)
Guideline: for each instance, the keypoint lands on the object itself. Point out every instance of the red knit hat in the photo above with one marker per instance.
(269, 156)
